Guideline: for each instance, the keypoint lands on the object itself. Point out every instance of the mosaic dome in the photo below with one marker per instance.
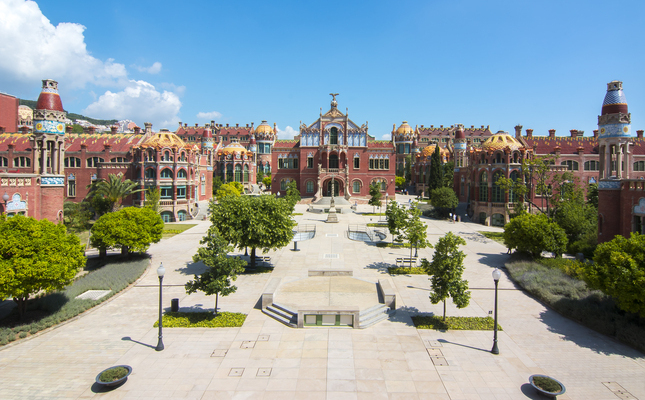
(615, 101)
(49, 99)
(264, 128)
(404, 128)
(429, 150)
(500, 141)
(232, 148)
(163, 139)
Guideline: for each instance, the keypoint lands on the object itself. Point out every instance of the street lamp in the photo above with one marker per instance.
(5, 197)
(496, 275)
(160, 273)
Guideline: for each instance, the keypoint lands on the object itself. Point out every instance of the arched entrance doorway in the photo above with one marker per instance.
(336, 187)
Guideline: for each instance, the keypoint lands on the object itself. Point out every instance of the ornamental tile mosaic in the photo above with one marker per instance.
(614, 97)
(614, 130)
(44, 126)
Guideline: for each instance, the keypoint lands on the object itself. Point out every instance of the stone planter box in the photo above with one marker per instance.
(118, 381)
(544, 392)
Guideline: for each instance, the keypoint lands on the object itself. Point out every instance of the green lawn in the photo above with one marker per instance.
(204, 319)
(496, 236)
(455, 323)
(170, 230)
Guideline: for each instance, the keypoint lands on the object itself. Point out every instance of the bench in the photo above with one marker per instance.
(406, 261)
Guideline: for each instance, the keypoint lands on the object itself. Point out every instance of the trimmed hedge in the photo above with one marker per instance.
(60, 306)
(406, 271)
(204, 319)
(455, 323)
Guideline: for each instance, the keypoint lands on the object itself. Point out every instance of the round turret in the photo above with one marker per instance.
(615, 101)
(264, 131)
(49, 115)
(615, 119)
(500, 141)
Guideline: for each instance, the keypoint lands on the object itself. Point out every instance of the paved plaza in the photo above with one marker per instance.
(265, 359)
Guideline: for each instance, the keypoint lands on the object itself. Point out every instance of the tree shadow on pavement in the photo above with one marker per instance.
(404, 315)
(496, 260)
(380, 266)
(193, 268)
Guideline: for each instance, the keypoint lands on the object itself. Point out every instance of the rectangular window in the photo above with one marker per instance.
(280, 162)
(371, 163)
(310, 186)
(166, 192)
(387, 163)
(295, 163)
(181, 192)
(71, 188)
(310, 162)
(357, 162)
(357, 186)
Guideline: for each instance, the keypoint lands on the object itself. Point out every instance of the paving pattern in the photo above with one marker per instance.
(267, 360)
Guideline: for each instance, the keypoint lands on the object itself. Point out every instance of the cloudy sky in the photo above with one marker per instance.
(543, 65)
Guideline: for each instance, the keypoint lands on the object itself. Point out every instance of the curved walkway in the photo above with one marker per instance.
(267, 360)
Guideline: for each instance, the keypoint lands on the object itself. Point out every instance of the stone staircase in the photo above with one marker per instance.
(374, 315)
(282, 314)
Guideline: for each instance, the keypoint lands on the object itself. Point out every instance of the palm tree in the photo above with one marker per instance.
(114, 189)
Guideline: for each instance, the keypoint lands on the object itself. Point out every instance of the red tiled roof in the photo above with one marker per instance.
(380, 144)
(119, 143)
(450, 131)
(20, 142)
(567, 144)
(286, 144)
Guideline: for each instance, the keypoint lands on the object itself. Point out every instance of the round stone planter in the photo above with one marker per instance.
(544, 392)
(118, 381)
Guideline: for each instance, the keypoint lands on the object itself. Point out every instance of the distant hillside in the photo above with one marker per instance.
(72, 116)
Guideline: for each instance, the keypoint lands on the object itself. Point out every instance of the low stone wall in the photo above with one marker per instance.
(331, 272)
(269, 290)
(389, 297)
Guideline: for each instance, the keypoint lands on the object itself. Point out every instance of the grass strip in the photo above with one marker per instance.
(112, 273)
(204, 319)
(406, 271)
(496, 236)
(455, 323)
(175, 229)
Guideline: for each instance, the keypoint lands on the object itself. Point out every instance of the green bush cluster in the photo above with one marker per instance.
(496, 236)
(455, 323)
(406, 271)
(63, 305)
(113, 374)
(393, 245)
(571, 297)
(202, 320)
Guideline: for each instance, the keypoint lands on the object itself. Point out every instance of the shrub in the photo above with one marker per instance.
(547, 384)
(455, 323)
(113, 374)
(202, 320)
(534, 234)
(406, 271)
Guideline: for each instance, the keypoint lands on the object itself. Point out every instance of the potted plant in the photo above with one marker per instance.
(546, 385)
(114, 376)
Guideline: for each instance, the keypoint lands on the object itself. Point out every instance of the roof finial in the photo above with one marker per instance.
(334, 103)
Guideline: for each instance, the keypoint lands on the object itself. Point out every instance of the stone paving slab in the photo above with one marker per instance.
(387, 361)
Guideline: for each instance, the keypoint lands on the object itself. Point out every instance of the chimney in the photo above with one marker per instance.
(212, 125)
(69, 129)
(137, 130)
(574, 132)
(639, 134)
(2, 129)
(581, 133)
(529, 133)
(179, 124)
(227, 125)
(113, 130)
(551, 133)
(91, 130)
(196, 125)
(518, 131)
(23, 129)
(237, 125)
(595, 133)
(185, 125)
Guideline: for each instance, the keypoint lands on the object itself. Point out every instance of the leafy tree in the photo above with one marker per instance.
(375, 193)
(130, 229)
(229, 189)
(415, 231)
(397, 220)
(222, 270)
(576, 218)
(592, 195)
(619, 271)
(446, 270)
(259, 176)
(114, 189)
(36, 256)
(153, 196)
(254, 221)
(293, 194)
(99, 205)
(76, 128)
(535, 233)
(217, 183)
(77, 215)
(266, 181)
(444, 199)
(535, 180)
(449, 174)
(400, 182)
(435, 177)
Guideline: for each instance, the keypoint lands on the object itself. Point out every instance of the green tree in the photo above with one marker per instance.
(115, 189)
(576, 218)
(444, 199)
(375, 193)
(222, 270)
(217, 183)
(76, 128)
(535, 233)
(415, 231)
(130, 229)
(153, 196)
(446, 270)
(397, 220)
(36, 256)
(400, 182)
(592, 195)
(77, 215)
(435, 177)
(293, 194)
(618, 270)
(259, 176)
(229, 189)
(449, 174)
(535, 178)
(262, 222)
(266, 181)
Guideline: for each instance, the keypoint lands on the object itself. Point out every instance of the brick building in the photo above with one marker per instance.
(8, 113)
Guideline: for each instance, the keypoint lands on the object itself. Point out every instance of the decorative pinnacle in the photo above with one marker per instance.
(334, 103)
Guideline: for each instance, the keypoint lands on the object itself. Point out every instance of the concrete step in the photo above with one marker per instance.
(373, 315)
(282, 314)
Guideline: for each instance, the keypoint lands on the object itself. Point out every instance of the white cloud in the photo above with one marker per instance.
(287, 133)
(33, 49)
(153, 69)
(209, 115)
(387, 136)
(140, 102)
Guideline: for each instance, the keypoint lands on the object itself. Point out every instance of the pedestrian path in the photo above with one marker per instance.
(267, 360)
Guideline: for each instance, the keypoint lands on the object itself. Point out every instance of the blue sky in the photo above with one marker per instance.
(543, 64)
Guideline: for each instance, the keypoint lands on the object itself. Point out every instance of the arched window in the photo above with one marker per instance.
(333, 160)
(356, 186)
(498, 158)
(310, 186)
(238, 173)
(246, 174)
(383, 186)
(183, 156)
(166, 156)
(118, 160)
(516, 158)
(70, 162)
(150, 155)
(572, 165)
(638, 166)
(150, 173)
(182, 174)
(229, 173)
(93, 162)
(166, 173)
(498, 193)
(167, 216)
(333, 137)
(4, 162)
(483, 186)
(203, 180)
(512, 196)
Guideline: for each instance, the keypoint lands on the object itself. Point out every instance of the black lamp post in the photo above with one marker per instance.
(496, 275)
(5, 197)
(160, 273)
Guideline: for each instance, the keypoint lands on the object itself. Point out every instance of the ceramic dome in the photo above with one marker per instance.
(430, 149)
(163, 139)
(264, 128)
(500, 141)
(234, 147)
(404, 128)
